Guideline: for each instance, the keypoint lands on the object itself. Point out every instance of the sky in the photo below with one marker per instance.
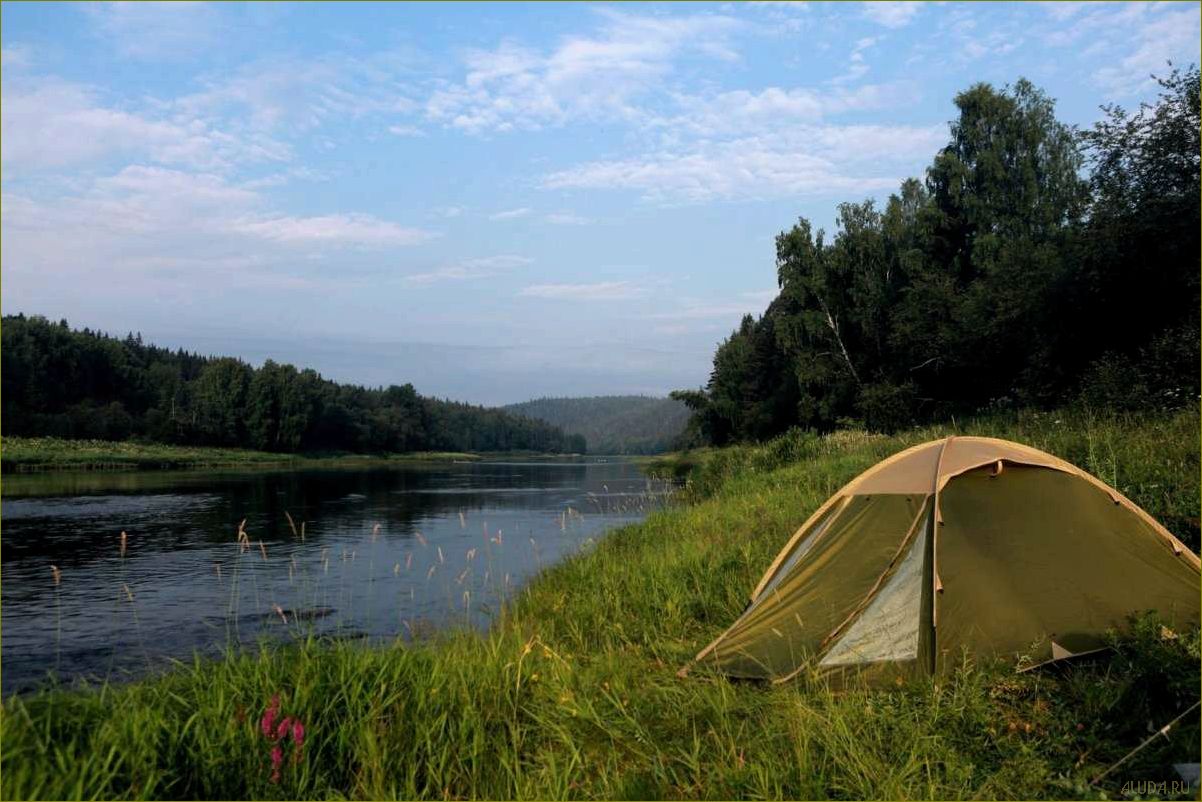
(493, 202)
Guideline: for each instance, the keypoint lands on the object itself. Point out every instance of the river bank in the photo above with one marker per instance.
(33, 454)
(573, 692)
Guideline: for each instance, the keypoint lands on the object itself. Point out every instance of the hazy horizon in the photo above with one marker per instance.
(493, 203)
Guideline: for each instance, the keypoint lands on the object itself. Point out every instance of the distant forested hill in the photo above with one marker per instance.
(85, 384)
(613, 424)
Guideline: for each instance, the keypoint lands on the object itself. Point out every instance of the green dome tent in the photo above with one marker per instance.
(966, 544)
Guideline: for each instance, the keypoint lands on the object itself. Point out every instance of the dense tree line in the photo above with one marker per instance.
(613, 424)
(84, 384)
(1034, 264)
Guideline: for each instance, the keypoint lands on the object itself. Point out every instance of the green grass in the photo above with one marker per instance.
(573, 692)
(20, 454)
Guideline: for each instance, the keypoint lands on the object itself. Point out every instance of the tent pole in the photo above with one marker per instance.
(1162, 731)
(936, 519)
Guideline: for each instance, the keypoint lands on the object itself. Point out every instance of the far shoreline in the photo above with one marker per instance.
(27, 455)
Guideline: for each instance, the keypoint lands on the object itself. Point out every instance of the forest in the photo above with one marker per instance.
(82, 384)
(1035, 265)
(613, 424)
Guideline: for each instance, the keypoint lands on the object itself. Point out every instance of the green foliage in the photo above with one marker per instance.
(1004, 279)
(574, 693)
(612, 424)
(85, 385)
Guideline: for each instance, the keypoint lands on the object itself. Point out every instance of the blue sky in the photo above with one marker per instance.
(494, 202)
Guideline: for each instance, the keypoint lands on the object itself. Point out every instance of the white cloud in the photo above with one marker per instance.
(471, 269)
(55, 124)
(405, 130)
(291, 95)
(743, 112)
(583, 78)
(599, 291)
(151, 229)
(996, 43)
(15, 56)
(566, 219)
(785, 16)
(360, 230)
(1163, 34)
(1061, 10)
(1137, 39)
(892, 13)
(510, 214)
(857, 67)
(156, 30)
(806, 160)
(856, 70)
(286, 176)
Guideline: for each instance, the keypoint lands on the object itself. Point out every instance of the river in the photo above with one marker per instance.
(372, 554)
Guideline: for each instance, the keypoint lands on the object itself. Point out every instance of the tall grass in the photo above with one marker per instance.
(573, 693)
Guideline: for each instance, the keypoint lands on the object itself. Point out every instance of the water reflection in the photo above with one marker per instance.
(375, 553)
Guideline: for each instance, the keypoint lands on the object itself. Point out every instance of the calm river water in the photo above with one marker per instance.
(379, 554)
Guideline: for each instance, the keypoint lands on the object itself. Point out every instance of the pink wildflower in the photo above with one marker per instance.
(267, 725)
(284, 728)
(277, 759)
(277, 730)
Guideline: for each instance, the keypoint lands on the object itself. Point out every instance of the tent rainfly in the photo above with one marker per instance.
(962, 545)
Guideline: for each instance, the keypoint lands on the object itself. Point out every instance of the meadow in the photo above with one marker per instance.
(573, 693)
